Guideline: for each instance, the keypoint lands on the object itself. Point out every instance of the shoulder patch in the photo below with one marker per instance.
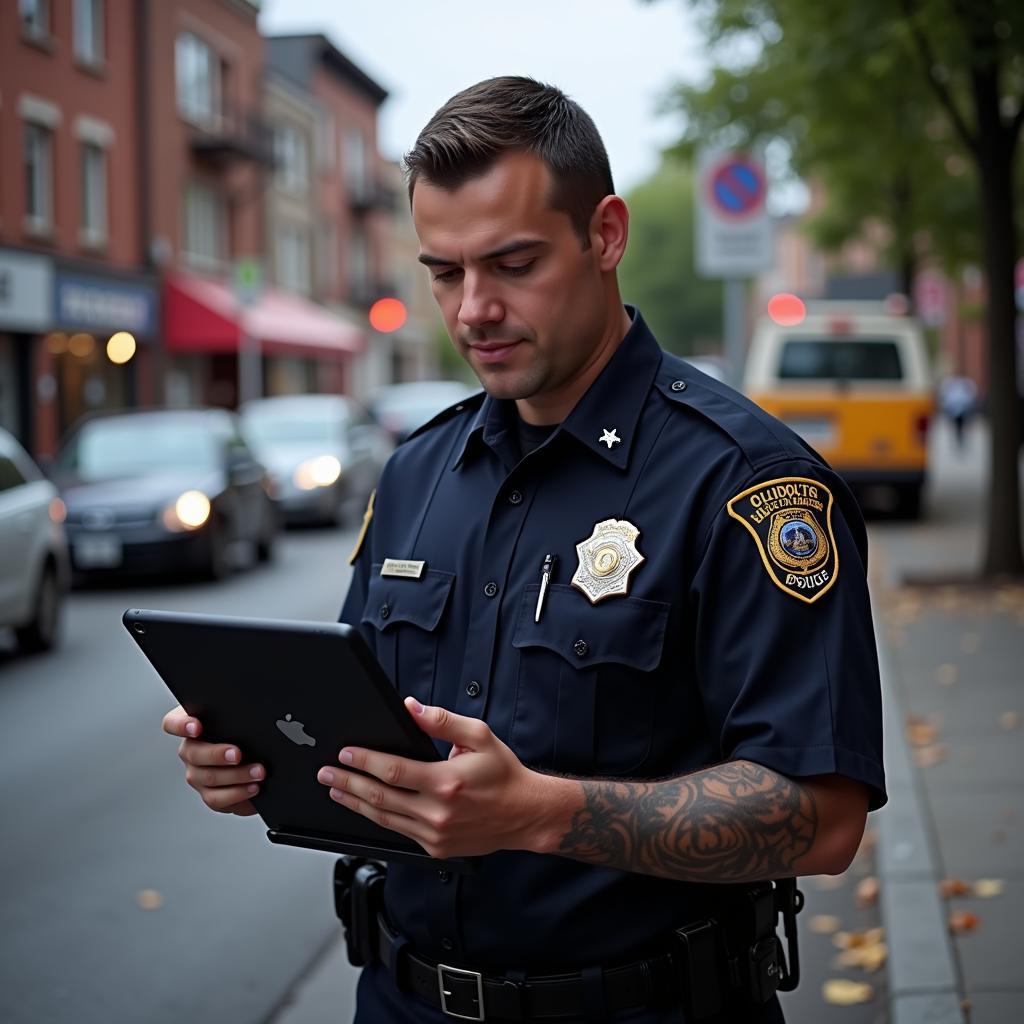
(790, 520)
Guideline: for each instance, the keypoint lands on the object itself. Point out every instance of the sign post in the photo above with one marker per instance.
(734, 235)
(248, 288)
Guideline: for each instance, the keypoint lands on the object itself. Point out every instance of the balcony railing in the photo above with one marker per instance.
(231, 135)
(371, 195)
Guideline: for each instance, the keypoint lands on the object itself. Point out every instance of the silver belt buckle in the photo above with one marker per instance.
(443, 969)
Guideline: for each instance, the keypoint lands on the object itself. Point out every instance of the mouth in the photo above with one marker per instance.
(493, 352)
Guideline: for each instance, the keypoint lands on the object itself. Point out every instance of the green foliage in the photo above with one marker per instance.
(657, 272)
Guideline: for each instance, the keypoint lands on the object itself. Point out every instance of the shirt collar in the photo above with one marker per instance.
(610, 408)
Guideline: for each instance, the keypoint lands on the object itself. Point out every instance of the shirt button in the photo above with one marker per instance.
(516, 498)
(385, 611)
(473, 689)
(491, 588)
(447, 945)
(580, 648)
(444, 876)
(679, 385)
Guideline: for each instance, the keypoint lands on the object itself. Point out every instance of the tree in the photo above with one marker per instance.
(909, 113)
(657, 272)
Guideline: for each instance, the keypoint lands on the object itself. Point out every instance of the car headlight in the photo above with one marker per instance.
(319, 472)
(189, 512)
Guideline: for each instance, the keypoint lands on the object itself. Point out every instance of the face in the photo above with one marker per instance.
(533, 312)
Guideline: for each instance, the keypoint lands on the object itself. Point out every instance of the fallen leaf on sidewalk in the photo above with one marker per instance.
(149, 899)
(867, 892)
(928, 756)
(1009, 720)
(870, 958)
(842, 992)
(824, 924)
(946, 674)
(952, 887)
(987, 888)
(920, 731)
(961, 922)
(855, 940)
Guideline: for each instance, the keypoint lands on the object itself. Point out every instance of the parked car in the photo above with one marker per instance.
(33, 550)
(324, 453)
(163, 491)
(401, 408)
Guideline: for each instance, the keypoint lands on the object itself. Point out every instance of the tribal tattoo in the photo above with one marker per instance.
(737, 822)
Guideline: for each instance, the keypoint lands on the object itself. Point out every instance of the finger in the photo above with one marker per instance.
(400, 772)
(370, 791)
(229, 798)
(441, 724)
(408, 826)
(202, 755)
(217, 778)
(178, 722)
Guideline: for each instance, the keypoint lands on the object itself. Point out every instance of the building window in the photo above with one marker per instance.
(94, 195)
(291, 154)
(198, 74)
(205, 243)
(38, 177)
(35, 18)
(293, 259)
(325, 140)
(89, 31)
(354, 160)
(358, 264)
(327, 259)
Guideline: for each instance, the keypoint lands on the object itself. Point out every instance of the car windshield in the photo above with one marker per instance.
(286, 427)
(848, 359)
(133, 446)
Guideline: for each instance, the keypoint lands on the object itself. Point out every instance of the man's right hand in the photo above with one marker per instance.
(214, 770)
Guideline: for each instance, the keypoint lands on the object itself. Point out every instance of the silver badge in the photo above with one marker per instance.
(606, 559)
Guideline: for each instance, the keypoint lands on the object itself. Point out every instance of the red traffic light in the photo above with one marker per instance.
(387, 315)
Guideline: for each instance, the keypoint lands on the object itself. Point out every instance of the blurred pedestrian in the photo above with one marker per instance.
(609, 588)
(957, 397)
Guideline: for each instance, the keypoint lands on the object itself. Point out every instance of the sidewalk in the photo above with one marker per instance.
(951, 841)
(953, 681)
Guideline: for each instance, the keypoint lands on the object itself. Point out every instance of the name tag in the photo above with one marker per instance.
(401, 567)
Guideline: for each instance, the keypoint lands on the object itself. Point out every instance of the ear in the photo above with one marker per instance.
(609, 229)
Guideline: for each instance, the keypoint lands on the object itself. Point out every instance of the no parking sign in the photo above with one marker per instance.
(734, 236)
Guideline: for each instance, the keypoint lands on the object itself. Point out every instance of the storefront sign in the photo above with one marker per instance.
(26, 291)
(101, 305)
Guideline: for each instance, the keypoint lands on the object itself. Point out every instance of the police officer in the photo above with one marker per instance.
(627, 604)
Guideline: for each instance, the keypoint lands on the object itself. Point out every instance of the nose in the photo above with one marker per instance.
(479, 304)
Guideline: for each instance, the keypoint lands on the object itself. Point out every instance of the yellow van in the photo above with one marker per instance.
(854, 382)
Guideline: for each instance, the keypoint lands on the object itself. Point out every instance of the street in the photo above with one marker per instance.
(124, 899)
(99, 825)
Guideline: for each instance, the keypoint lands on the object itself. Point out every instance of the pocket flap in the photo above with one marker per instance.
(394, 599)
(626, 630)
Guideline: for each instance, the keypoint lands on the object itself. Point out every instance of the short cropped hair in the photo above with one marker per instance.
(510, 114)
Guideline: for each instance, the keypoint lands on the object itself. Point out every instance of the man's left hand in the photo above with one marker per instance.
(482, 799)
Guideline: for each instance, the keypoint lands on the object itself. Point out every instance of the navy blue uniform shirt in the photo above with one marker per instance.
(745, 632)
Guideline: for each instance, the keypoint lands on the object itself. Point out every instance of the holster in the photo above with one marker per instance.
(358, 897)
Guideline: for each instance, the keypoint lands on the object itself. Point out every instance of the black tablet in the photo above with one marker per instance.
(290, 695)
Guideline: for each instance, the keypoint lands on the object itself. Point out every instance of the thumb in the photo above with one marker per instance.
(441, 724)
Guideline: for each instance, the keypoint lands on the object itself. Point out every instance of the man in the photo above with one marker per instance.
(653, 689)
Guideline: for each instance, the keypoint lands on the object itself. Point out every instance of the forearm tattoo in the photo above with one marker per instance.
(737, 822)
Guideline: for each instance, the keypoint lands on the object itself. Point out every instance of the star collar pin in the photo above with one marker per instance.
(610, 438)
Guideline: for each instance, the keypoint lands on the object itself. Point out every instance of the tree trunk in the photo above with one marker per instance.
(1003, 552)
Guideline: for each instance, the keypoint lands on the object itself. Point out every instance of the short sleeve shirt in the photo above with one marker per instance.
(707, 602)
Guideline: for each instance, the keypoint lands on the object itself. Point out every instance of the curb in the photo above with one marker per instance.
(924, 982)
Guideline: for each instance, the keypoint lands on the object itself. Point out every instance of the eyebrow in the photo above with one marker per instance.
(505, 250)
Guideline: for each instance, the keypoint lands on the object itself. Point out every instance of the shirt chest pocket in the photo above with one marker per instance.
(586, 691)
(406, 614)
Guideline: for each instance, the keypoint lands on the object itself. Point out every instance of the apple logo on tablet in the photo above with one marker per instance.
(295, 731)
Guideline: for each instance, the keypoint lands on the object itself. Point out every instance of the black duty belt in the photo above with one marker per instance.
(470, 995)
